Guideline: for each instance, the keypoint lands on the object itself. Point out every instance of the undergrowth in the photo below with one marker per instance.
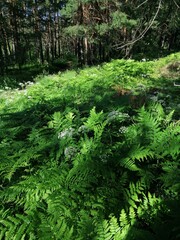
(92, 155)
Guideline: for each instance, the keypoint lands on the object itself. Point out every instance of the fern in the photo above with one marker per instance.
(77, 164)
(16, 227)
(128, 225)
(54, 229)
(103, 232)
(132, 195)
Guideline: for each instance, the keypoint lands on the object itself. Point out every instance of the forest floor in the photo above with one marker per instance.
(93, 153)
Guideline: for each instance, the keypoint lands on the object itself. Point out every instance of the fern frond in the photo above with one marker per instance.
(103, 231)
(123, 218)
(94, 118)
(60, 121)
(54, 229)
(129, 164)
(16, 227)
(140, 153)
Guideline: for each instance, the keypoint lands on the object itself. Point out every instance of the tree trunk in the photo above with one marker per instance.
(38, 33)
(1, 62)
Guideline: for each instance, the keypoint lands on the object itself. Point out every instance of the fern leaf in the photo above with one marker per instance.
(123, 218)
(132, 215)
(114, 226)
(141, 153)
(103, 231)
(129, 164)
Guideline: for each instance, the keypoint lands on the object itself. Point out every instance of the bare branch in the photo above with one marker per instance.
(141, 35)
(176, 4)
(176, 85)
(141, 4)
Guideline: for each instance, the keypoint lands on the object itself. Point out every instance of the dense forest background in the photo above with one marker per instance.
(85, 31)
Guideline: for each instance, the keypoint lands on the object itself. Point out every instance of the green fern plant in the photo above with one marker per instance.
(16, 227)
(128, 224)
(76, 164)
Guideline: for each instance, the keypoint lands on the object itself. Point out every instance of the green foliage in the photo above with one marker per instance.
(80, 161)
(128, 224)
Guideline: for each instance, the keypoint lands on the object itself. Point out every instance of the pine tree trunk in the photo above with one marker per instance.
(38, 33)
(1, 62)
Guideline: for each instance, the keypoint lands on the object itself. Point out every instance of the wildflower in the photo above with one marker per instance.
(115, 115)
(144, 75)
(123, 129)
(29, 83)
(66, 133)
(154, 98)
(21, 85)
(83, 129)
(143, 59)
(69, 152)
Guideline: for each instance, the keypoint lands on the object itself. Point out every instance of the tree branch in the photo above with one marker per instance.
(141, 4)
(176, 85)
(141, 35)
(176, 4)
